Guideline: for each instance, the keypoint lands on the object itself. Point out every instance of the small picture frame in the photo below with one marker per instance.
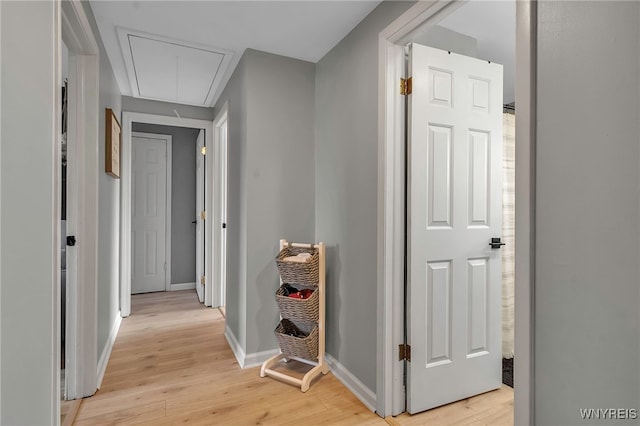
(112, 142)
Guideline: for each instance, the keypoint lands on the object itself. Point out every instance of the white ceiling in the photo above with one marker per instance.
(186, 51)
(195, 45)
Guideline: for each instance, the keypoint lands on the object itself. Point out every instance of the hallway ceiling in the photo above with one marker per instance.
(185, 51)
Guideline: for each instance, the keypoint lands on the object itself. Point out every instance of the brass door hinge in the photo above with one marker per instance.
(406, 86)
(202, 280)
(203, 215)
(203, 150)
(404, 352)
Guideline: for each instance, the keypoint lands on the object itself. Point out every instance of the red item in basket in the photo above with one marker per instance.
(306, 293)
(296, 295)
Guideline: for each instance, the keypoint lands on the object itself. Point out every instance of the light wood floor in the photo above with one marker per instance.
(171, 364)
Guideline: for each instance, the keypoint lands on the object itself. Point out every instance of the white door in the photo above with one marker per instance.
(223, 213)
(200, 165)
(149, 213)
(455, 208)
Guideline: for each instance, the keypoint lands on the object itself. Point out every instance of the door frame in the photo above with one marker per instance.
(167, 225)
(391, 202)
(200, 152)
(220, 154)
(81, 373)
(128, 118)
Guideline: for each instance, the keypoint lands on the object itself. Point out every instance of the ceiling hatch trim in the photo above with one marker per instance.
(164, 69)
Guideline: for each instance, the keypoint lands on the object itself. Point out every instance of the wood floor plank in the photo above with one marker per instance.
(171, 364)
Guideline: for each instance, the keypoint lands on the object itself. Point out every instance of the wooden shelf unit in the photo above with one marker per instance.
(320, 365)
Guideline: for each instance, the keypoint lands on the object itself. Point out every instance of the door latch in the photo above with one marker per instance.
(71, 240)
(496, 243)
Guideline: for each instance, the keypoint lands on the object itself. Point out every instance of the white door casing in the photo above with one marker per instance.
(128, 118)
(222, 250)
(454, 209)
(149, 213)
(200, 248)
(219, 217)
(81, 374)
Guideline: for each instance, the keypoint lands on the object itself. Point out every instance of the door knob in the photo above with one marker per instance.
(496, 243)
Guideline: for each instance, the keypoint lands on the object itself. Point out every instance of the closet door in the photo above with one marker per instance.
(454, 211)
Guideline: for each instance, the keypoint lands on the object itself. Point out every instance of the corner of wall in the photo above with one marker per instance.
(246, 360)
(351, 382)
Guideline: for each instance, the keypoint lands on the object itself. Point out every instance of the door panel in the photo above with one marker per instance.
(454, 208)
(199, 222)
(149, 215)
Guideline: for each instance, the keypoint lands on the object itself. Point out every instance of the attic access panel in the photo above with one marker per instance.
(172, 71)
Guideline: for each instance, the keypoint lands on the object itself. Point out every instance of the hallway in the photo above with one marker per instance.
(171, 364)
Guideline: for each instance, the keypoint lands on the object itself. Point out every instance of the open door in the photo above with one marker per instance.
(454, 210)
(200, 239)
(222, 251)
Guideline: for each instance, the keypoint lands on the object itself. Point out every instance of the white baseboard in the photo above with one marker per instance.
(246, 360)
(106, 352)
(257, 358)
(182, 286)
(235, 346)
(351, 382)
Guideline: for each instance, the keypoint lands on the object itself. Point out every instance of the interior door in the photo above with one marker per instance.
(149, 213)
(223, 212)
(454, 209)
(199, 222)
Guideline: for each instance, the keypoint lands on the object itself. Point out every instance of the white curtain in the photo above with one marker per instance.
(508, 234)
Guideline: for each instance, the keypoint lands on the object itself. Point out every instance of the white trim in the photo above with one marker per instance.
(219, 153)
(128, 118)
(256, 359)
(351, 382)
(247, 360)
(127, 55)
(391, 235)
(167, 226)
(235, 346)
(56, 240)
(526, 63)
(182, 286)
(56, 185)
(106, 352)
(390, 393)
(83, 126)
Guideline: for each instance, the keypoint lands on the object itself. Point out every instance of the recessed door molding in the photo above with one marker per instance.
(128, 118)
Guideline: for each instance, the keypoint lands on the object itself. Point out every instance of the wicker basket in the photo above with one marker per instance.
(298, 309)
(298, 272)
(301, 347)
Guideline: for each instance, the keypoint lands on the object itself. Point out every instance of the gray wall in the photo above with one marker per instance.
(183, 198)
(146, 106)
(28, 359)
(446, 39)
(271, 184)
(347, 192)
(235, 94)
(108, 204)
(280, 178)
(587, 269)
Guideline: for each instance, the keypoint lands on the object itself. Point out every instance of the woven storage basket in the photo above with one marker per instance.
(298, 272)
(301, 347)
(298, 309)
